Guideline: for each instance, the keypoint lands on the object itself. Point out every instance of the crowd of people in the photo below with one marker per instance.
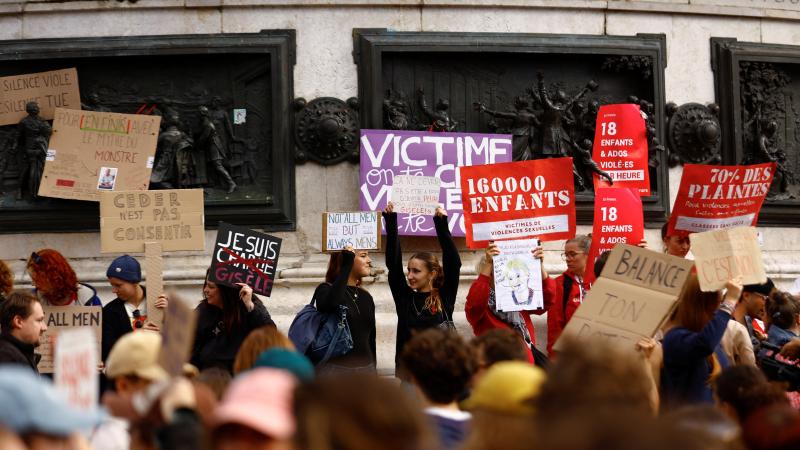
(719, 374)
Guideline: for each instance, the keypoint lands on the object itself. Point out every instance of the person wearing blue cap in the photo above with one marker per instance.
(37, 413)
(127, 312)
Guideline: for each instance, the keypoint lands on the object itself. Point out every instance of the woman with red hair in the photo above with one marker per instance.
(55, 283)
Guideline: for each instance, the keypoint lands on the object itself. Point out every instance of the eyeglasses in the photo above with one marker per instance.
(570, 255)
(138, 320)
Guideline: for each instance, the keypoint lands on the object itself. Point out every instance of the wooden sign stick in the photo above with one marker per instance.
(154, 266)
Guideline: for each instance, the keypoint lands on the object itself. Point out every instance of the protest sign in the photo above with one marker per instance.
(172, 217)
(719, 197)
(60, 318)
(177, 336)
(91, 152)
(50, 90)
(517, 276)
(76, 362)
(418, 195)
(620, 148)
(360, 230)
(723, 255)
(618, 219)
(242, 255)
(634, 295)
(387, 153)
(518, 200)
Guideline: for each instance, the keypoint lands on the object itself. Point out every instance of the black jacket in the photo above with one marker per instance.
(14, 351)
(116, 324)
(214, 346)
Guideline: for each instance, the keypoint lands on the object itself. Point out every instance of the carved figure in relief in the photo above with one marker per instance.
(34, 135)
(440, 119)
(209, 141)
(769, 152)
(554, 139)
(174, 165)
(523, 124)
(397, 112)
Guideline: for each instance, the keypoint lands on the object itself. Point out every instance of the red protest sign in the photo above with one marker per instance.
(618, 219)
(719, 197)
(518, 200)
(620, 148)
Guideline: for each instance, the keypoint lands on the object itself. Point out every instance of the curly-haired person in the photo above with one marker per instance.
(440, 366)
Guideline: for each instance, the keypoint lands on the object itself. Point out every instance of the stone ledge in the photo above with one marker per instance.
(736, 8)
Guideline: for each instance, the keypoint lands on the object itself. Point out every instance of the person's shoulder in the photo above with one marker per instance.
(114, 305)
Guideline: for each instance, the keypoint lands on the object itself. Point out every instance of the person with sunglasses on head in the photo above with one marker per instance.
(426, 297)
(55, 282)
(565, 293)
(225, 317)
(127, 312)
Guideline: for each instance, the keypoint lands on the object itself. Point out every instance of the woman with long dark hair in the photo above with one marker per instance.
(224, 319)
(342, 287)
(425, 297)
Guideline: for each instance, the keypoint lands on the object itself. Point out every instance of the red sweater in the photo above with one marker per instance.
(481, 317)
(557, 314)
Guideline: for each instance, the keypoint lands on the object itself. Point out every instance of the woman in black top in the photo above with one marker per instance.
(224, 319)
(343, 287)
(427, 296)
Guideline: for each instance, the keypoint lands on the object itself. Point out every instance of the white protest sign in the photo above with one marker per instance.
(517, 276)
(360, 230)
(75, 363)
(723, 255)
(413, 194)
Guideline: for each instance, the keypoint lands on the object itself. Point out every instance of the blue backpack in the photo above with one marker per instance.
(321, 336)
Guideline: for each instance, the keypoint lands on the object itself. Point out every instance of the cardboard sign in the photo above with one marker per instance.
(360, 230)
(618, 219)
(76, 361)
(620, 148)
(723, 255)
(50, 90)
(154, 276)
(519, 200)
(172, 217)
(719, 197)
(242, 255)
(518, 276)
(635, 294)
(91, 152)
(60, 318)
(387, 153)
(178, 336)
(417, 195)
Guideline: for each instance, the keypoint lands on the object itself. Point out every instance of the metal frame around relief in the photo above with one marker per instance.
(372, 46)
(275, 210)
(765, 64)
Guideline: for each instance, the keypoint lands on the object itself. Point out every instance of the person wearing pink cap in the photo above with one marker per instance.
(256, 412)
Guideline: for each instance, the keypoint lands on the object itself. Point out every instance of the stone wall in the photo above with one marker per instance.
(325, 68)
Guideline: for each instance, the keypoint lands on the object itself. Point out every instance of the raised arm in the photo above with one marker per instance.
(451, 260)
(394, 256)
(330, 296)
